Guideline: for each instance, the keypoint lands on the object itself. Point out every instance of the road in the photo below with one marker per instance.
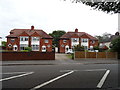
(60, 73)
(69, 74)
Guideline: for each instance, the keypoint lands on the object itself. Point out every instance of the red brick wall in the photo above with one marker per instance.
(42, 42)
(28, 56)
(93, 44)
(12, 43)
(62, 49)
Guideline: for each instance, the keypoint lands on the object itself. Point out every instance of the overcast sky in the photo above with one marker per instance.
(51, 15)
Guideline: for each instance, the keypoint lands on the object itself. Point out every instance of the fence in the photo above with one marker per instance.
(28, 55)
(102, 55)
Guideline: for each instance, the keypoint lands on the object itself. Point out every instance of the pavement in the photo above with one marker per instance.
(59, 62)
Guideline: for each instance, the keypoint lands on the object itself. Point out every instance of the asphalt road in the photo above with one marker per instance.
(34, 77)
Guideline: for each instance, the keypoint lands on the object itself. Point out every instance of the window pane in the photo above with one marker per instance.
(46, 41)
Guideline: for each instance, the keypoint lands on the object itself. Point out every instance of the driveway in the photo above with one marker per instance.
(59, 56)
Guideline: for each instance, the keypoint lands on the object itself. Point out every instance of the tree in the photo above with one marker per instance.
(56, 35)
(115, 45)
(104, 37)
(4, 43)
(103, 5)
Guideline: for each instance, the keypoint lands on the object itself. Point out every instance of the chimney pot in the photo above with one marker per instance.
(76, 30)
(32, 27)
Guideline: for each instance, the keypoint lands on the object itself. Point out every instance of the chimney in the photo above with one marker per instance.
(32, 27)
(76, 30)
(117, 33)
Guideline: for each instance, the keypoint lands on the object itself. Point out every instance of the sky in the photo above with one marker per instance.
(50, 15)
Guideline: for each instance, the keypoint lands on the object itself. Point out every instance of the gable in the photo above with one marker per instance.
(35, 34)
(24, 34)
(74, 36)
(84, 36)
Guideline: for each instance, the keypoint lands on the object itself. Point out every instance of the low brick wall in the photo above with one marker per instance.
(28, 56)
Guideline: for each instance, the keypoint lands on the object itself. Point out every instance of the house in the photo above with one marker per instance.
(37, 39)
(106, 43)
(71, 39)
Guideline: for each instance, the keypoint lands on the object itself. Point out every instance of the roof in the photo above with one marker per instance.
(17, 32)
(110, 39)
(79, 34)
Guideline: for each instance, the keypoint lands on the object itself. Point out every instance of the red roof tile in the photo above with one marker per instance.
(69, 35)
(17, 32)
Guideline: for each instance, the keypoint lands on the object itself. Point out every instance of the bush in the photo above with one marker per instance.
(72, 55)
(29, 49)
(79, 48)
(24, 51)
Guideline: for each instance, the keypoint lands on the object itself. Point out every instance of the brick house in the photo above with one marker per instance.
(105, 44)
(37, 39)
(70, 39)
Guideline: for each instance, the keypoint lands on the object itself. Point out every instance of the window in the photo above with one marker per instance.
(75, 39)
(46, 41)
(23, 38)
(35, 38)
(12, 40)
(64, 41)
(84, 40)
(9, 45)
(48, 46)
(92, 42)
(22, 46)
(35, 47)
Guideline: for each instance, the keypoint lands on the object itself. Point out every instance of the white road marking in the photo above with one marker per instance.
(16, 76)
(84, 70)
(13, 72)
(103, 79)
(52, 80)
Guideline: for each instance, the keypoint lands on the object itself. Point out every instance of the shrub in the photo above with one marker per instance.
(72, 55)
(29, 49)
(24, 51)
(79, 48)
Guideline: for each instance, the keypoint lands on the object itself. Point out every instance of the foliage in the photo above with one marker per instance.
(72, 55)
(4, 43)
(96, 48)
(115, 45)
(56, 35)
(29, 49)
(104, 37)
(78, 48)
(106, 6)
(24, 51)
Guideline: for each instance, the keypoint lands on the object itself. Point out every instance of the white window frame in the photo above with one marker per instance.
(12, 40)
(64, 41)
(84, 40)
(35, 38)
(24, 38)
(23, 46)
(46, 41)
(75, 40)
(35, 47)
